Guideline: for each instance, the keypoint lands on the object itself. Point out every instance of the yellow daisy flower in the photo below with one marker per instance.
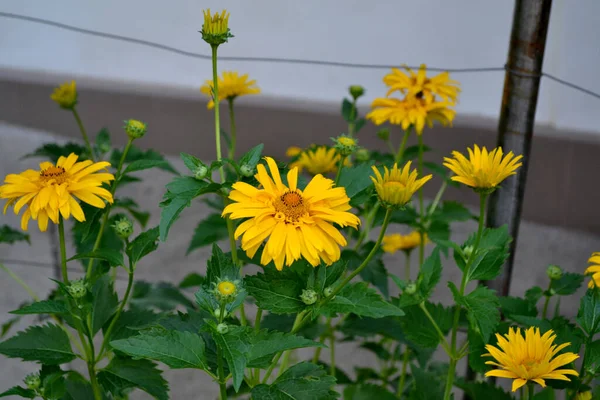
(419, 85)
(483, 169)
(296, 223)
(530, 358)
(65, 95)
(594, 270)
(293, 151)
(215, 29)
(396, 187)
(318, 160)
(411, 111)
(231, 85)
(52, 190)
(396, 241)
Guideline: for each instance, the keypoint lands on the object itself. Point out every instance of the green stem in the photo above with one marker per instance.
(63, 250)
(94, 381)
(216, 101)
(243, 318)
(353, 115)
(547, 301)
(257, 321)
(402, 147)
(368, 225)
(331, 348)
(443, 340)
(463, 284)
(295, 328)
(285, 362)
(20, 282)
(339, 170)
(407, 266)
(402, 381)
(528, 392)
(113, 189)
(84, 134)
(233, 132)
(390, 146)
(220, 368)
(421, 206)
(438, 197)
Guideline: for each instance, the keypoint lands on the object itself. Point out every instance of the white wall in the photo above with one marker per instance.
(453, 34)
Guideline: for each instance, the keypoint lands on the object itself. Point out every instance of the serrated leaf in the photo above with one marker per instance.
(483, 391)
(348, 111)
(162, 295)
(517, 306)
(47, 344)
(192, 280)
(104, 302)
(77, 387)
(135, 154)
(534, 294)
(427, 385)
(303, 381)
(53, 151)
(359, 299)
(252, 157)
(491, 254)
(210, 230)
(593, 356)
(191, 162)
(113, 257)
(19, 391)
(274, 294)
(140, 165)
(220, 266)
(367, 391)
(356, 179)
(567, 284)
(174, 348)
(10, 235)
(588, 316)
(131, 321)
(43, 307)
(419, 329)
(144, 244)
(429, 275)
(122, 374)
(482, 309)
(374, 272)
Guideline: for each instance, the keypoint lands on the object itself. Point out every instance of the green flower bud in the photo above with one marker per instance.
(222, 328)
(247, 170)
(362, 155)
(201, 172)
(356, 91)
(32, 381)
(411, 288)
(345, 145)
(217, 313)
(123, 227)
(467, 252)
(328, 290)
(554, 272)
(309, 296)
(226, 290)
(135, 129)
(383, 134)
(215, 30)
(77, 289)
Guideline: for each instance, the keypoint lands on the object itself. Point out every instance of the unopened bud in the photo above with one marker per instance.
(32, 381)
(222, 328)
(217, 313)
(123, 227)
(362, 155)
(328, 291)
(201, 172)
(247, 170)
(135, 129)
(411, 288)
(356, 91)
(309, 296)
(77, 289)
(383, 134)
(554, 272)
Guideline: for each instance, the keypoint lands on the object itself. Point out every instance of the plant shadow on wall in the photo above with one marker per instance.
(308, 223)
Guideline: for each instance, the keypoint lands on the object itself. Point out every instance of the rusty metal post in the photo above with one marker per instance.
(517, 117)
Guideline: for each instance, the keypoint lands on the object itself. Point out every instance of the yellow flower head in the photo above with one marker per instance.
(584, 395)
(215, 29)
(318, 160)
(396, 187)
(346, 141)
(483, 169)
(226, 288)
(419, 85)
(65, 95)
(53, 189)
(231, 85)
(411, 111)
(296, 223)
(293, 151)
(530, 358)
(396, 241)
(594, 270)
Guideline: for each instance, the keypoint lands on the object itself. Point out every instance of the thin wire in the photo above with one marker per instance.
(280, 60)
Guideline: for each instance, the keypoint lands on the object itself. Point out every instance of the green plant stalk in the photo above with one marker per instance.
(463, 284)
(233, 133)
(354, 115)
(400, 152)
(402, 381)
(528, 392)
(216, 102)
(221, 370)
(63, 250)
(438, 197)
(113, 189)
(443, 340)
(547, 301)
(284, 363)
(295, 328)
(368, 225)
(20, 281)
(339, 170)
(331, 348)
(421, 206)
(84, 134)
(257, 321)
(407, 266)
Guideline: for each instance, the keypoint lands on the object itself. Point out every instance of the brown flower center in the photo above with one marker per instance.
(290, 206)
(56, 174)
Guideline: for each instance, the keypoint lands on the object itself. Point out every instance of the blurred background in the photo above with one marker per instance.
(299, 105)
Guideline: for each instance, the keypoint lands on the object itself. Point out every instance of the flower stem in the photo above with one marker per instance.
(20, 281)
(84, 134)
(331, 347)
(368, 224)
(295, 328)
(216, 101)
(402, 381)
(63, 250)
(438, 197)
(284, 362)
(402, 147)
(353, 115)
(407, 265)
(450, 381)
(421, 206)
(257, 321)
(220, 369)
(547, 301)
(528, 392)
(443, 340)
(339, 171)
(113, 189)
(231, 153)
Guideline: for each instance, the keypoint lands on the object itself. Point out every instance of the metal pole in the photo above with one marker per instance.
(517, 117)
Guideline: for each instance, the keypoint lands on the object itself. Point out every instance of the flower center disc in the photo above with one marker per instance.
(291, 205)
(56, 174)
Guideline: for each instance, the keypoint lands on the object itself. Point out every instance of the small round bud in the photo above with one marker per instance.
(222, 328)
(309, 296)
(411, 288)
(356, 91)
(135, 129)
(201, 172)
(217, 313)
(383, 134)
(226, 290)
(247, 170)
(328, 290)
(77, 289)
(554, 272)
(362, 155)
(123, 227)
(65, 95)
(32, 381)
(467, 252)
(345, 145)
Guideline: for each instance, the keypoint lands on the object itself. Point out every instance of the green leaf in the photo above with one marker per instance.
(131, 321)
(483, 391)
(491, 255)
(104, 302)
(53, 151)
(210, 230)
(592, 362)
(360, 123)
(277, 294)
(48, 344)
(135, 154)
(588, 316)
(220, 266)
(348, 111)
(546, 394)
(303, 381)
(174, 348)
(144, 244)
(191, 162)
(567, 284)
(43, 307)
(162, 295)
(192, 280)
(358, 298)
(482, 309)
(19, 391)
(113, 257)
(517, 306)
(429, 275)
(122, 374)
(140, 165)
(450, 211)
(77, 387)
(10, 235)
(252, 157)
(419, 329)
(53, 382)
(103, 143)
(389, 327)
(356, 179)
(534, 294)
(367, 391)
(265, 344)
(374, 272)
(427, 385)
(7, 325)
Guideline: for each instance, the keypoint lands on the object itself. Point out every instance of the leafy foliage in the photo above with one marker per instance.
(43, 307)
(123, 374)
(210, 230)
(47, 344)
(303, 381)
(10, 235)
(359, 299)
(482, 309)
